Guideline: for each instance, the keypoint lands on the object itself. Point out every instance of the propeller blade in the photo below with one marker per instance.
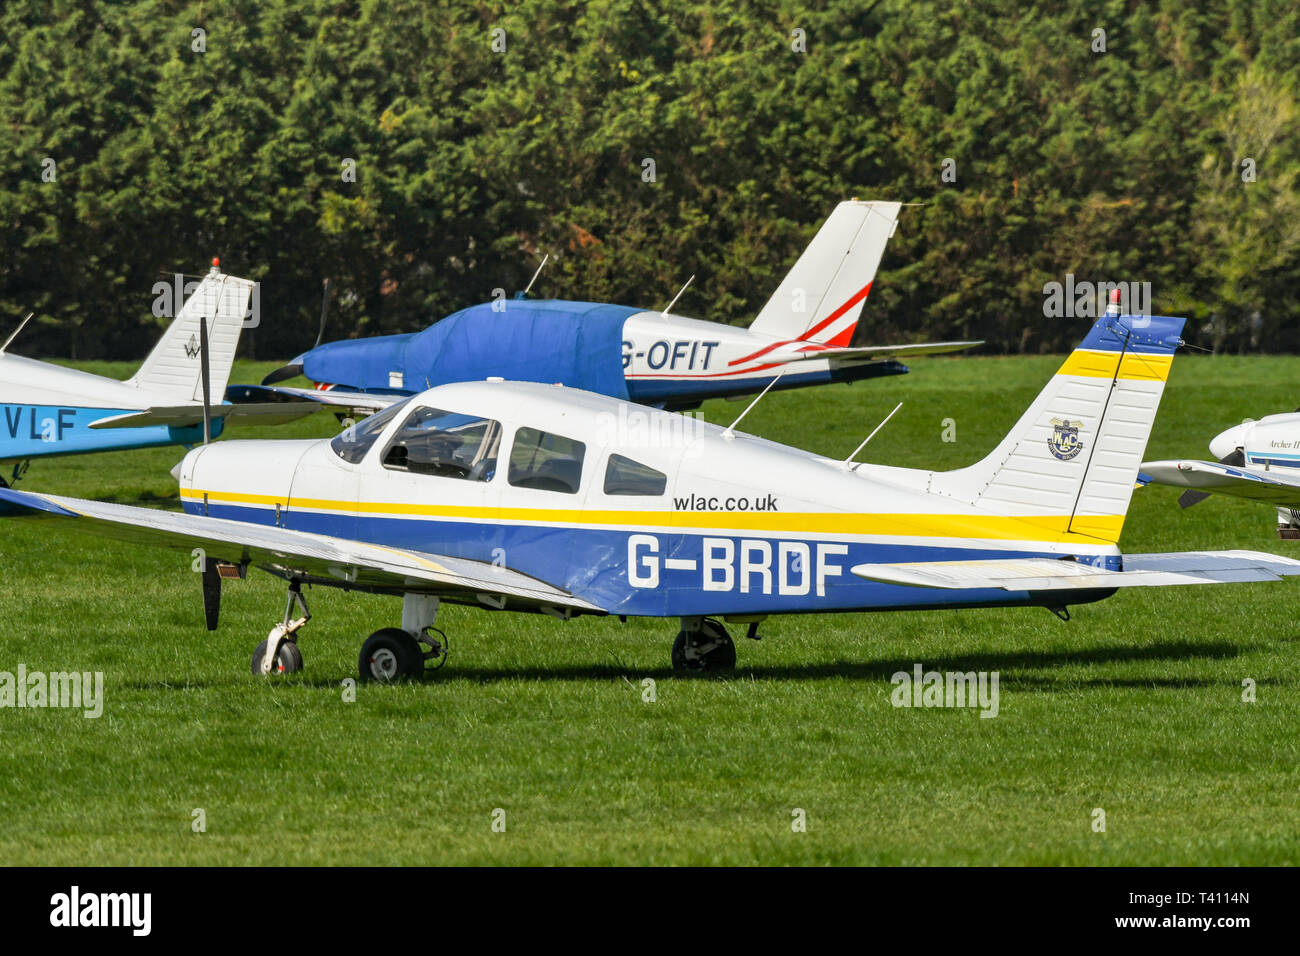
(294, 369)
(211, 594)
(283, 373)
(324, 309)
(205, 375)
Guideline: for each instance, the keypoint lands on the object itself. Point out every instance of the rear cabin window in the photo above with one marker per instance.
(353, 442)
(447, 444)
(546, 462)
(623, 476)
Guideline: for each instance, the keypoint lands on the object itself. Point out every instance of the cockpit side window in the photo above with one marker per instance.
(353, 442)
(448, 444)
(545, 461)
(623, 476)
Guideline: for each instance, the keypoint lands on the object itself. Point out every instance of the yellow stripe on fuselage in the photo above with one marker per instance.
(997, 527)
(1094, 364)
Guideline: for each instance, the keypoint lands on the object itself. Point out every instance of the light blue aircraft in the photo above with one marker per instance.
(48, 410)
(530, 497)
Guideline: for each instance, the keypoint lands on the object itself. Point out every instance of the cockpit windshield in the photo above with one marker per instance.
(353, 442)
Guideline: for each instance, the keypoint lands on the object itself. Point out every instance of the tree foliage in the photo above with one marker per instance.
(177, 131)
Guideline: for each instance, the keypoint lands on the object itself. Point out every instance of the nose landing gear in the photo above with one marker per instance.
(279, 653)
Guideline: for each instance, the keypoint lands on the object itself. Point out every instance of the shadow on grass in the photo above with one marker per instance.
(1007, 665)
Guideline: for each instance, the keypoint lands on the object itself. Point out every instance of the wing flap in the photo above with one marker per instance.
(1053, 574)
(321, 558)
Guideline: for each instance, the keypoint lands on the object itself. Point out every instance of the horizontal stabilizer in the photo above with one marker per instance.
(318, 558)
(367, 402)
(1255, 484)
(866, 353)
(1055, 574)
(183, 416)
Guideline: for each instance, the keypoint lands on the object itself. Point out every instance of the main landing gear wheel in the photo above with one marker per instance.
(288, 660)
(390, 655)
(707, 649)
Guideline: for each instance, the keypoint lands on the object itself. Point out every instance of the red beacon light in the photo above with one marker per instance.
(1113, 308)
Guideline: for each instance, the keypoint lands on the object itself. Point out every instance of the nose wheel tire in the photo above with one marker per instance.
(287, 661)
(390, 655)
(708, 650)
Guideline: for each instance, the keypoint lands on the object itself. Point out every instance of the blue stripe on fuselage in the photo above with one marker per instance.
(1274, 459)
(593, 563)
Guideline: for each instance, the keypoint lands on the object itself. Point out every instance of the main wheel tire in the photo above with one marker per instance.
(287, 661)
(390, 655)
(709, 650)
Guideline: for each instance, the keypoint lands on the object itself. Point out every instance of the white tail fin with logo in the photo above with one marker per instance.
(171, 373)
(1075, 453)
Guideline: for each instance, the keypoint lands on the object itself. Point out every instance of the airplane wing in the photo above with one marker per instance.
(1256, 484)
(1055, 574)
(180, 416)
(361, 402)
(866, 353)
(313, 558)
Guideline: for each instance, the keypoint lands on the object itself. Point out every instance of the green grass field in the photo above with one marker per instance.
(1135, 706)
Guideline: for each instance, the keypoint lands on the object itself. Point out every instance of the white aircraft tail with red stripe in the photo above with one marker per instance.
(821, 298)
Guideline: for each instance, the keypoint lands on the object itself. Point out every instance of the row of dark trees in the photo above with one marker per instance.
(422, 155)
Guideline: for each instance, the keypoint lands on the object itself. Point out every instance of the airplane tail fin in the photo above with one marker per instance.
(172, 369)
(1074, 455)
(821, 298)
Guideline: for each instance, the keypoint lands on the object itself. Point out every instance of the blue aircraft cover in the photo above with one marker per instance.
(576, 343)
(359, 363)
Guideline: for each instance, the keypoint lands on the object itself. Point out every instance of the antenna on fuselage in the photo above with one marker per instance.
(205, 360)
(528, 288)
(674, 302)
(21, 325)
(847, 464)
(730, 433)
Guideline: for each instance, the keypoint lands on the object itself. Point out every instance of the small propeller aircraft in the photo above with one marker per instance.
(654, 358)
(528, 497)
(1257, 460)
(51, 410)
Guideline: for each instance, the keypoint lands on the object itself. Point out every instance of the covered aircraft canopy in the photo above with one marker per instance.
(577, 343)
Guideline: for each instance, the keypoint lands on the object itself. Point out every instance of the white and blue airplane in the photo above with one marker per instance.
(1257, 460)
(48, 410)
(801, 337)
(529, 497)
